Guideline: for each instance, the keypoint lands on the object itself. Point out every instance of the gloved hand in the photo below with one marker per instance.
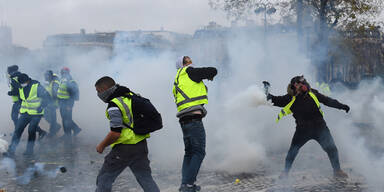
(269, 97)
(346, 108)
(266, 88)
(210, 79)
(9, 93)
(266, 84)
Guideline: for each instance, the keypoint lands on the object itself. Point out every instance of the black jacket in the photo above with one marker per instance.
(304, 108)
(200, 73)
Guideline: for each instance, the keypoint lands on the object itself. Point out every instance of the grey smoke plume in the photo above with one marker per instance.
(240, 126)
(8, 165)
(38, 169)
(3, 145)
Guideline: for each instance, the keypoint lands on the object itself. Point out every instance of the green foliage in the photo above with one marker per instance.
(343, 14)
(242, 9)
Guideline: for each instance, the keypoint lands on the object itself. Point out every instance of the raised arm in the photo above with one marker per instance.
(201, 73)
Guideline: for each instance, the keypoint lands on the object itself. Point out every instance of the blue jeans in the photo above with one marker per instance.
(66, 106)
(50, 116)
(22, 122)
(194, 142)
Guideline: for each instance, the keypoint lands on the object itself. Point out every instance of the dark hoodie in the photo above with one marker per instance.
(137, 107)
(304, 108)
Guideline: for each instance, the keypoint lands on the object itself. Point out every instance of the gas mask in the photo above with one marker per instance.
(107, 93)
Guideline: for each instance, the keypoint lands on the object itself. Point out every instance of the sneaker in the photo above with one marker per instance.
(189, 188)
(340, 174)
(42, 134)
(76, 132)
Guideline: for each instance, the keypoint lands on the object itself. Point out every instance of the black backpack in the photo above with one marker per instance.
(146, 118)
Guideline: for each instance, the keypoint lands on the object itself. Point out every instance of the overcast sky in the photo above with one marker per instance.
(33, 20)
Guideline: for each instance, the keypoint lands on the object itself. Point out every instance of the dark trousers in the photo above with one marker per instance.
(50, 116)
(66, 106)
(23, 121)
(194, 143)
(15, 112)
(15, 115)
(318, 131)
(121, 156)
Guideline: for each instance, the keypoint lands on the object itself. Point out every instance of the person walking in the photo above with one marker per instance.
(34, 99)
(128, 148)
(67, 94)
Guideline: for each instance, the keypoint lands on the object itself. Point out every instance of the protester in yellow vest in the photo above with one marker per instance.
(128, 148)
(50, 111)
(190, 95)
(323, 88)
(67, 94)
(34, 99)
(304, 103)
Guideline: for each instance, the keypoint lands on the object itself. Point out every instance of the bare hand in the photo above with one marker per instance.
(100, 148)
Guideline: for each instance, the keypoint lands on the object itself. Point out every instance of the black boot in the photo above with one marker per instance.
(189, 188)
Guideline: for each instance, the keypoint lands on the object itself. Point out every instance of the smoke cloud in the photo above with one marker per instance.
(242, 135)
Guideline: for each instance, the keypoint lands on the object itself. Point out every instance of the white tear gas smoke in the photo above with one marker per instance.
(38, 169)
(3, 145)
(360, 134)
(240, 126)
(8, 165)
(253, 96)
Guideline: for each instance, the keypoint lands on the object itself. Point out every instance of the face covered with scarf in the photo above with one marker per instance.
(299, 85)
(104, 92)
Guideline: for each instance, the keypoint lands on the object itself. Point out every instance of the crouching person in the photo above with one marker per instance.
(128, 148)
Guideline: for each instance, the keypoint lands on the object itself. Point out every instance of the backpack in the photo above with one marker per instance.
(146, 119)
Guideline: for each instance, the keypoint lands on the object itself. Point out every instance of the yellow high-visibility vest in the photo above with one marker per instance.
(188, 93)
(49, 89)
(62, 92)
(127, 136)
(324, 88)
(287, 109)
(32, 103)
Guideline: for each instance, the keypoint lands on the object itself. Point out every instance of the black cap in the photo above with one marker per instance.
(12, 69)
(23, 78)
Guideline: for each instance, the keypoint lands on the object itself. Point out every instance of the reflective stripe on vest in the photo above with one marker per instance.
(49, 89)
(127, 136)
(188, 93)
(287, 109)
(14, 98)
(32, 103)
(62, 92)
